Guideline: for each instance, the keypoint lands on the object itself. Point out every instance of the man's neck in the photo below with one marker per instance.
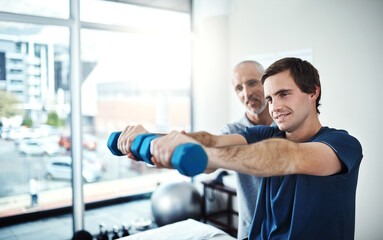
(307, 130)
(260, 119)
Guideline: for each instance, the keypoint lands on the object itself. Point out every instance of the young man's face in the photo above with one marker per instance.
(288, 105)
(249, 89)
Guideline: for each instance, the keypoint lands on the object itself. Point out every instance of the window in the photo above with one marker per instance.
(133, 77)
(135, 69)
(26, 141)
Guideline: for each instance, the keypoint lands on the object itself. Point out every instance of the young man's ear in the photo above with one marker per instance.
(315, 95)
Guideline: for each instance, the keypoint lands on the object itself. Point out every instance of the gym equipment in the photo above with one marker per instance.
(82, 235)
(115, 233)
(103, 234)
(141, 223)
(173, 202)
(124, 230)
(189, 159)
(219, 178)
(144, 149)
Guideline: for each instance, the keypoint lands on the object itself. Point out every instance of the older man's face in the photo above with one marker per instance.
(247, 84)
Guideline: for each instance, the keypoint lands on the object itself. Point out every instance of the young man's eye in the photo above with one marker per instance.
(284, 94)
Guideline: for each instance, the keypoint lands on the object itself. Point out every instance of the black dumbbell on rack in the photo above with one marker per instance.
(115, 232)
(103, 234)
(125, 230)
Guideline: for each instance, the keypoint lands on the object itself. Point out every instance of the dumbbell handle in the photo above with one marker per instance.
(189, 159)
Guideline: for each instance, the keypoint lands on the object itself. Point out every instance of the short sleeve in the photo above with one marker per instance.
(346, 147)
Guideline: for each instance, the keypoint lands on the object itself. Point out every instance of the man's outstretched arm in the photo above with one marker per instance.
(276, 157)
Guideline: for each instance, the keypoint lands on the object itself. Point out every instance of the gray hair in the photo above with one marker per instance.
(256, 64)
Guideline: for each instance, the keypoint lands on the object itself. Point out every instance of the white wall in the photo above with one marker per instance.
(210, 65)
(346, 39)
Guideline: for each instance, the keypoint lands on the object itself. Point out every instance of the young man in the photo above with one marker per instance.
(248, 87)
(309, 172)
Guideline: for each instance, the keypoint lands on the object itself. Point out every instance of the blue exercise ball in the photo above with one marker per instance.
(173, 202)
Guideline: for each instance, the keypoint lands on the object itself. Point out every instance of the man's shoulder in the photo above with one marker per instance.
(327, 132)
(238, 126)
(333, 135)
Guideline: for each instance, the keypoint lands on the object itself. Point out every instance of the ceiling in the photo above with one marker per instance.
(173, 5)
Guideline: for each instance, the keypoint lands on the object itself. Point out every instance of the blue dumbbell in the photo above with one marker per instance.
(144, 151)
(189, 159)
(135, 148)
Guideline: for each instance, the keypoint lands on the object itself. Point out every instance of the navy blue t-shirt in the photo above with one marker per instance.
(303, 206)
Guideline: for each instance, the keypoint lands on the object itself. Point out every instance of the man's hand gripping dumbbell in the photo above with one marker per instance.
(174, 150)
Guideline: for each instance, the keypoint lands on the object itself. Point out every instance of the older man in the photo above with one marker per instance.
(249, 89)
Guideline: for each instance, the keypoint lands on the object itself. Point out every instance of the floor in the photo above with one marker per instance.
(60, 227)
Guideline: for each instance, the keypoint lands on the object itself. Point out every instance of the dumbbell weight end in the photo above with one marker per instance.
(112, 143)
(189, 159)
